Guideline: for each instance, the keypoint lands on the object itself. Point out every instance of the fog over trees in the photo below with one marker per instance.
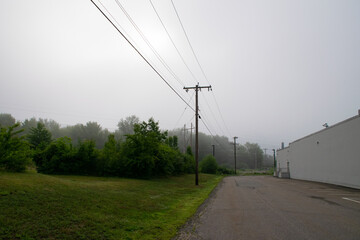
(249, 155)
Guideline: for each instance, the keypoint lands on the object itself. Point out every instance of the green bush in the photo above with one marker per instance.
(15, 153)
(189, 161)
(109, 162)
(58, 157)
(225, 170)
(86, 158)
(146, 153)
(208, 165)
(140, 151)
(62, 158)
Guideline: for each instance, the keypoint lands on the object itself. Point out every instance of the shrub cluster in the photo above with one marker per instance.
(146, 153)
(15, 153)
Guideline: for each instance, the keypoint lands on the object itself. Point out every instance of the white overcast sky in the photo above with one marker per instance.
(279, 68)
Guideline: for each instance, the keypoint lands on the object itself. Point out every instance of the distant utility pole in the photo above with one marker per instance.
(274, 162)
(213, 148)
(197, 88)
(235, 152)
(185, 142)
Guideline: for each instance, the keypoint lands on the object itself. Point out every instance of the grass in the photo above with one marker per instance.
(37, 206)
(251, 172)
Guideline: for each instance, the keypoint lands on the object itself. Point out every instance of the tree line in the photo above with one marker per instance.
(134, 149)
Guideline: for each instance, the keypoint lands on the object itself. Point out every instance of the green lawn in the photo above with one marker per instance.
(37, 206)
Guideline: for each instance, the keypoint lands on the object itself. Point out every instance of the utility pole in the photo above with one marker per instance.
(235, 152)
(185, 142)
(275, 172)
(213, 148)
(197, 88)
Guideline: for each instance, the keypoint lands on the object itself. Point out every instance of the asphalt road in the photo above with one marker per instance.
(264, 207)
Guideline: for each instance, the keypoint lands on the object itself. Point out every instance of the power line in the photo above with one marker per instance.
(168, 34)
(212, 113)
(149, 44)
(187, 38)
(159, 57)
(172, 41)
(222, 118)
(219, 144)
(197, 60)
(142, 56)
(184, 110)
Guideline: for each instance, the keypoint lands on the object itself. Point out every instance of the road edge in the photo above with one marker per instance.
(188, 230)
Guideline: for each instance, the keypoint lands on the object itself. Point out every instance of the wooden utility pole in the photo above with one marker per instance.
(197, 88)
(275, 172)
(235, 152)
(213, 146)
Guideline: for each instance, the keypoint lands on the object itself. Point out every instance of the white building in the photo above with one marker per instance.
(331, 155)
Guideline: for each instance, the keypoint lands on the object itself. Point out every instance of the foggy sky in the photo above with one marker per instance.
(279, 69)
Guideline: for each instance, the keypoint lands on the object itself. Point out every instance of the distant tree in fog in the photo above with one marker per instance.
(53, 126)
(256, 154)
(39, 136)
(90, 131)
(126, 126)
(28, 124)
(6, 120)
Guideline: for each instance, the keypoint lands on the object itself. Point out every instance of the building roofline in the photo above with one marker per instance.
(328, 128)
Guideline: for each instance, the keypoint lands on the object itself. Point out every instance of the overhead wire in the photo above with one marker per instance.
(172, 41)
(198, 62)
(183, 60)
(177, 122)
(187, 38)
(149, 44)
(212, 113)
(219, 144)
(142, 56)
(159, 57)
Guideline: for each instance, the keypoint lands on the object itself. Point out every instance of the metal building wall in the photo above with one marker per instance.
(330, 156)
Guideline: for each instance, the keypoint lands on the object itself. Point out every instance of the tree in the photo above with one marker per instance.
(110, 158)
(224, 148)
(208, 165)
(126, 126)
(39, 137)
(6, 120)
(93, 131)
(27, 125)
(189, 161)
(255, 155)
(58, 157)
(86, 158)
(140, 151)
(90, 131)
(15, 153)
(243, 157)
(52, 126)
(172, 142)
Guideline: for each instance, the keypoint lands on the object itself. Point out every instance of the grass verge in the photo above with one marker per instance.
(37, 206)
